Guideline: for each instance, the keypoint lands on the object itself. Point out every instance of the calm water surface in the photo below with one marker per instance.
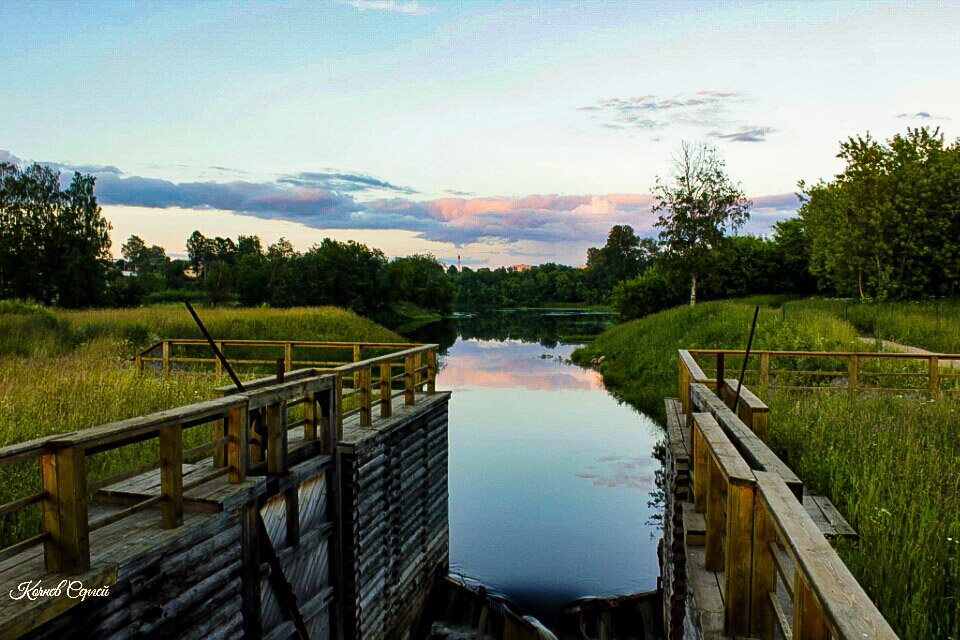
(549, 476)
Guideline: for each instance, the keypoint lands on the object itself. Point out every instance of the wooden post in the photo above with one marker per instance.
(683, 389)
(386, 390)
(808, 622)
(432, 371)
(238, 449)
(217, 363)
(720, 374)
(854, 370)
(310, 417)
(63, 475)
(338, 393)
(327, 426)
(166, 357)
(288, 356)
(217, 431)
(764, 371)
(418, 376)
(713, 552)
(366, 398)
(701, 457)
(139, 361)
(356, 358)
(277, 438)
(738, 555)
(409, 394)
(255, 435)
(934, 383)
(764, 573)
(171, 475)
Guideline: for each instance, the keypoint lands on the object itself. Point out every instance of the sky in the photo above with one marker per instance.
(502, 132)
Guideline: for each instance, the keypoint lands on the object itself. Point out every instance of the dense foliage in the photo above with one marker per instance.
(889, 225)
(53, 242)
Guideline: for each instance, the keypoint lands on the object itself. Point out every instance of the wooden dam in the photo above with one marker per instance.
(311, 505)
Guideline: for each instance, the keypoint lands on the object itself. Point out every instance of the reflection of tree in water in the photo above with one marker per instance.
(547, 328)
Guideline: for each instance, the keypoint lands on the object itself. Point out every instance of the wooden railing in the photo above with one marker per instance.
(236, 449)
(193, 356)
(358, 384)
(781, 577)
(859, 372)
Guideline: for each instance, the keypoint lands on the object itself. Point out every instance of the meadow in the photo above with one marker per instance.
(890, 463)
(61, 371)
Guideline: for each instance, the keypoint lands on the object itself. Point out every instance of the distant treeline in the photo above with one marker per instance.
(344, 274)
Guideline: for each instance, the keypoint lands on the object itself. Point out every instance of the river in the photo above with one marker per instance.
(549, 476)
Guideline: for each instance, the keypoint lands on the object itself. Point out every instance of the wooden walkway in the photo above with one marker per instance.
(130, 543)
(706, 597)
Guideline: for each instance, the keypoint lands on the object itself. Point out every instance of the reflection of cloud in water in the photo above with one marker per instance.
(621, 471)
(515, 371)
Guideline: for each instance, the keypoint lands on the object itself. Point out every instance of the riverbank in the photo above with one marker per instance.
(889, 463)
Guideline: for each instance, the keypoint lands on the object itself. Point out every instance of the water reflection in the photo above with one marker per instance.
(549, 476)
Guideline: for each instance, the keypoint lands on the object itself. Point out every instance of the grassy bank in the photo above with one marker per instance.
(640, 356)
(63, 371)
(889, 463)
(933, 325)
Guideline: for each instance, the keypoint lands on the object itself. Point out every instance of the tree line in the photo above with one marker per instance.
(887, 227)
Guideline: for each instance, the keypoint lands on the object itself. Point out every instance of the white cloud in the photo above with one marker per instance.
(411, 7)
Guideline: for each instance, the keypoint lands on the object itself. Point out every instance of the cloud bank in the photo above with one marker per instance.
(711, 110)
(341, 200)
(411, 7)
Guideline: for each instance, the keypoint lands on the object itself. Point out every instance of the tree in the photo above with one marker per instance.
(621, 258)
(54, 243)
(889, 225)
(696, 208)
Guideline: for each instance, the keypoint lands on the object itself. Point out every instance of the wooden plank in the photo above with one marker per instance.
(839, 526)
(276, 416)
(756, 453)
(846, 606)
(734, 468)
(116, 433)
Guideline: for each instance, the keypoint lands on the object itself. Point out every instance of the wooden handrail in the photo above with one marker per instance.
(65, 482)
(827, 599)
(720, 471)
(757, 529)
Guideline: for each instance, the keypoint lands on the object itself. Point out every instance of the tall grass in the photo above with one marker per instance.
(62, 371)
(933, 325)
(892, 466)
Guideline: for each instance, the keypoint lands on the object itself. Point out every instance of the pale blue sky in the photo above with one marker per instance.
(354, 119)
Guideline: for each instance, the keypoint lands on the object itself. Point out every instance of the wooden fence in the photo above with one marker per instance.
(171, 356)
(858, 371)
(781, 578)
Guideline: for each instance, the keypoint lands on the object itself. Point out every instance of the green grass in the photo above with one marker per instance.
(640, 365)
(62, 371)
(890, 463)
(933, 325)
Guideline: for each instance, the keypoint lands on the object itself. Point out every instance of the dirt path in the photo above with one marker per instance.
(893, 346)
